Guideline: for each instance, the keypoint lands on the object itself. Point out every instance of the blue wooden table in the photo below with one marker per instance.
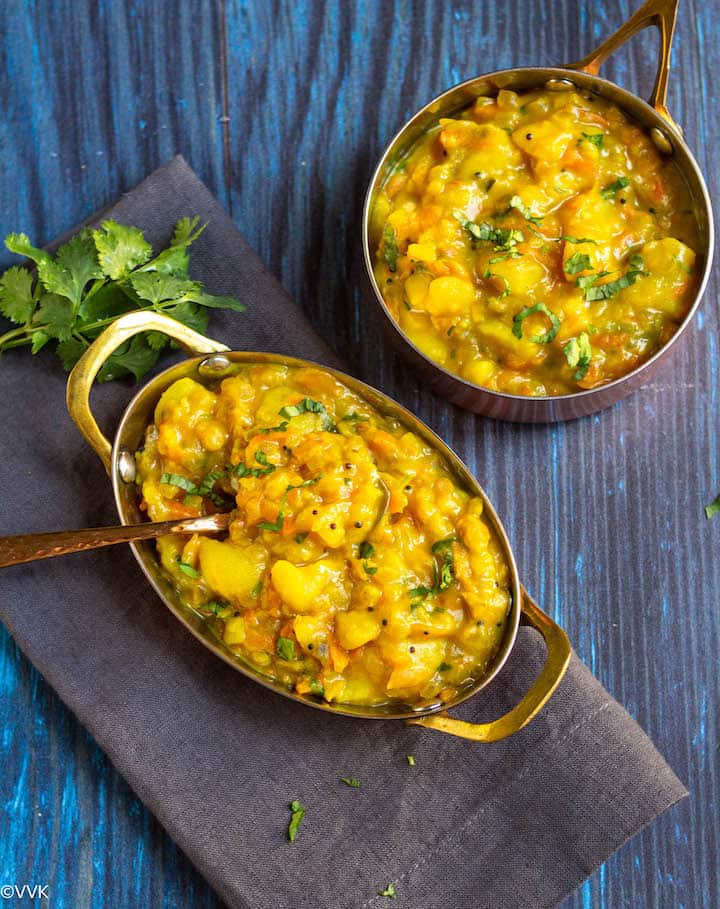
(282, 108)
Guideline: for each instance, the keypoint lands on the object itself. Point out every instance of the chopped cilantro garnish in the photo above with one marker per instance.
(277, 524)
(355, 417)
(576, 263)
(517, 329)
(174, 479)
(366, 550)
(307, 405)
(281, 427)
(579, 353)
(285, 649)
(502, 237)
(577, 239)
(257, 589)
(298, 813)
(188, 569)
(215, 608)
(517, 203)
(594, 291)
(390, 250)
(351, 781)
(595, 138)
(443, 667)
(713, 508)
(608, 192)
(301, 537)
(411, 760)
(389, 892)
(443, 572)
(316, 688)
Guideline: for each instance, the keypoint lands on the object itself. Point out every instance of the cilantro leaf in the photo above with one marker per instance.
(21, 245)
(185, 233)
(351, 781)
(609, 191)
(595, 139)
(549, 335)
(577, 240)
(517, 203)
(713, 508)
(189, 314)
(390, 250)
(411, 760)
(70, 352)
(55, 315)
(120, 248)
(78, 261)
(39, 340)
(134, 358)
(504, 238)
(297, 814)
(579, 353)
(576, 263)
(215, 301)
(389, 892)
(188, 569)
(16, 295)
(156, 287)
(366, 550)
(285, 649)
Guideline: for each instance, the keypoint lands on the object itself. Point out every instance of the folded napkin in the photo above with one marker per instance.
(217, 758)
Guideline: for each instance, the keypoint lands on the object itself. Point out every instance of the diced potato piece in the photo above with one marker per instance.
(669, 265)
(234, 632)
(414, 664)
(356, 627)
(499, 336)
(449, 296)
(229, 570)
(422, 252)
(493, 153)
(524, 276)
(416, 288)
(184, 399)
(479, 371)
(545, 140)
(300, 586)
(311, 631)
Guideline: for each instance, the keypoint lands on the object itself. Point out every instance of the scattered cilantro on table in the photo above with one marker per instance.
(98, 275)
(297, 813)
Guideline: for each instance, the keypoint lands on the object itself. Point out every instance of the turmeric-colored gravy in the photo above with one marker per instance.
(357, 568)
(536, 243)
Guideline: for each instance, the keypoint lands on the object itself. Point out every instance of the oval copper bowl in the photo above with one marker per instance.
(666, 135)
(209, 361)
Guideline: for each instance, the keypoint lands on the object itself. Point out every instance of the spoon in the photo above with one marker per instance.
(28, 547)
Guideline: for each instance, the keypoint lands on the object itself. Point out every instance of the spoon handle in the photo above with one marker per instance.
(28, 547)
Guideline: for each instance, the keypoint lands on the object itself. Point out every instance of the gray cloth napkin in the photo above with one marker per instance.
(217, 758)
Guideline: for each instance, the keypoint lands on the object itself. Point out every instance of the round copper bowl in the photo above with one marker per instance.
(209, 361)
(667, 137)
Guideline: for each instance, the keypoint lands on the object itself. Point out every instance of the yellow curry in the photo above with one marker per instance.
(356, 568)
(536, 243)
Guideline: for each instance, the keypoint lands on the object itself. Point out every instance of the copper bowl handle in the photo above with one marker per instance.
(87, 367)
(660, 13)
(556, 662)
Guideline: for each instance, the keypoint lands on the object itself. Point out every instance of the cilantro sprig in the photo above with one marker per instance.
(91, 280)
(503, 238)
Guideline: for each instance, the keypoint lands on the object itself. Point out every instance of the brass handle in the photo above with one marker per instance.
(558, 657)
(87, 367)
(30, 547)
(662, 14)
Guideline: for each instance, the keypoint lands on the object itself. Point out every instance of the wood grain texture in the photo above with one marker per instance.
(283, 108)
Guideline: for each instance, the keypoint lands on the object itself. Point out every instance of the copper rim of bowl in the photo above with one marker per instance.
(128, 437)
(540, 408)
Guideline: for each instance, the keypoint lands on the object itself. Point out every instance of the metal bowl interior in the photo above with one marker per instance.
(561, 407)
(129, 437)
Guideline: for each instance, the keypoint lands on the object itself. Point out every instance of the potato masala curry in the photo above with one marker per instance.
(536, 243)
(357, 568)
